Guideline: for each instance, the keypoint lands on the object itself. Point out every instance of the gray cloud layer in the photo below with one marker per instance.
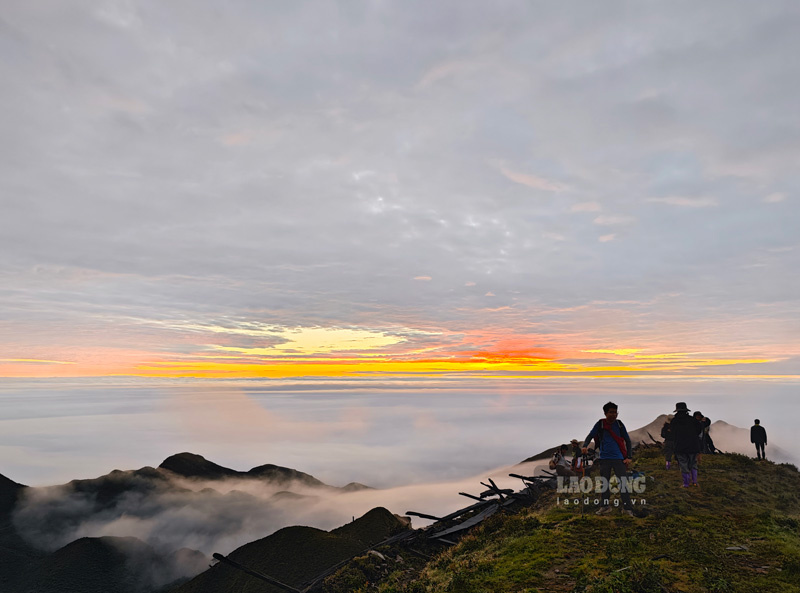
(308, 161)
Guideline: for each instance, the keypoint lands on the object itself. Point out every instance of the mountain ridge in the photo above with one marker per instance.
(105, 558)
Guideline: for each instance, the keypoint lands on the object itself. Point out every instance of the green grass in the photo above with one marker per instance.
(679, 544)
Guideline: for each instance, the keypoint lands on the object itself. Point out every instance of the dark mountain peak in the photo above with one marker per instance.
(296, 554)
(120, 564)
(8, 485)
(190, 465)
(275, 473)
(372, 527)
(9, 493)
(287, 496)
(89, 564)
(108, 488)
(356, 487)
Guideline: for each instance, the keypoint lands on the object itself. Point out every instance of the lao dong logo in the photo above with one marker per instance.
(600, 486)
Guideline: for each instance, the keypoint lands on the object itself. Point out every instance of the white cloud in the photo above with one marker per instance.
(614, 220)
(687, 202)
(586, 207)
(532, 181)
(774, 198)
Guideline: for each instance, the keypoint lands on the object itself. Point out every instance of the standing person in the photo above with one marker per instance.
(669, 440)
(758, 436)
(615, 448)
(705, 439)
(577, 457)
(685, 431)
(560, 464)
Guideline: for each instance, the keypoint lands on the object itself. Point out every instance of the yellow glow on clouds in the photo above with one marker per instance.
(320, 340)
(619, 352)
(250, 349)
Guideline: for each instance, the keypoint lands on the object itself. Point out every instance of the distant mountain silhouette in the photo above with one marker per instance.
(294, 555)
(277, 474)
(105, 563)
(643, 434)
(9, 492)
(355, 487)
(107, 489)
(190, 465)
(285, 495)
(118, 564)
(16, 556)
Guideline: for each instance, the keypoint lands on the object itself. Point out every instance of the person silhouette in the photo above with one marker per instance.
(758, 436)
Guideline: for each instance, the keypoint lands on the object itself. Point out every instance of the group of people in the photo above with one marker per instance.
(579, 464)
(758, 436)
(685, 436)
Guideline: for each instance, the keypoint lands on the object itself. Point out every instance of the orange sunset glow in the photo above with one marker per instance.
(331, 353)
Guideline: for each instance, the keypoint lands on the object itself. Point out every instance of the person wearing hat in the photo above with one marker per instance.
(685, 431)
(758, 436)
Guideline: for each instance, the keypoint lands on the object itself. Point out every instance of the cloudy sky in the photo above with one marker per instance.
(399, 192)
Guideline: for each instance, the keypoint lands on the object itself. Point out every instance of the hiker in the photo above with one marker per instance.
(560, 464)
(577, 457)
(685, 431)
(615, 448)
(582, 464)
(758, 436)
(669, 441)
(705, 439)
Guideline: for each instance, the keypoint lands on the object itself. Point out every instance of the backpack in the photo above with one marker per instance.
(599, 438)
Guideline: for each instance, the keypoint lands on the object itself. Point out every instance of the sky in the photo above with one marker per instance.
(399, 193)
(398, 243)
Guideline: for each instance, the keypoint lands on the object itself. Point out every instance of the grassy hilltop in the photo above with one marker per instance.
(738, 532)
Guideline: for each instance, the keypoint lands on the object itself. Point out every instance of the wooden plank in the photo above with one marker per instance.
(478, 498)
(423, 516)
(472, 507)
(471, 522)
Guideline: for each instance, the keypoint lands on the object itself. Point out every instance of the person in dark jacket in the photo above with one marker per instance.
(686, 430)
(758, 436)
(615, 450)
(669, 441)
(706, 444)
